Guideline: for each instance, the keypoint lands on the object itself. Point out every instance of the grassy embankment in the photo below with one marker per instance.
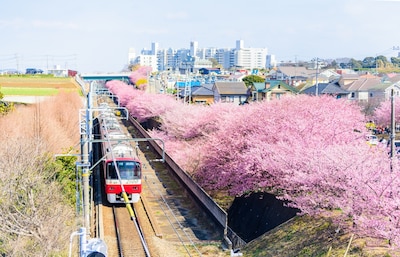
(304, 236)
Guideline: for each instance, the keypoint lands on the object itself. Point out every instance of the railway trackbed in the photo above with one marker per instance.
(121, 234)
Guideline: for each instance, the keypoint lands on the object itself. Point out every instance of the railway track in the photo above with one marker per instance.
(116, 224)
(120, 234)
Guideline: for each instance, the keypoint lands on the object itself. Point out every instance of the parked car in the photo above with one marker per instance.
(33, 71)
(372, 139)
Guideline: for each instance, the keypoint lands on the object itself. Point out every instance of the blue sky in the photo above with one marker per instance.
(95, 35)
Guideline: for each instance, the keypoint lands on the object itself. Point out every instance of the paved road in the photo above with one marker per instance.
(24, 99)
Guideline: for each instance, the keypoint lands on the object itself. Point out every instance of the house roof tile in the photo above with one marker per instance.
(231, 88)
(332, 88)
(205, 90)
(363, 84)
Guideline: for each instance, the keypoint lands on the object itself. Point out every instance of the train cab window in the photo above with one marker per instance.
(136, 170)
(111, 172)
(125, 172)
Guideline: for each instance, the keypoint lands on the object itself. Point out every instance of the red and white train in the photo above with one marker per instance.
(122, 169)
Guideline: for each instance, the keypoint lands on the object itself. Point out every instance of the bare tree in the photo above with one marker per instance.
(34, 219)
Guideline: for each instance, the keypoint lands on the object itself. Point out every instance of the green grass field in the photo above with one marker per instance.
(30, 91)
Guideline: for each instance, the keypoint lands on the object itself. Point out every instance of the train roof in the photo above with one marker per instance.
(118, 145)
(116, 135)
(121, 150)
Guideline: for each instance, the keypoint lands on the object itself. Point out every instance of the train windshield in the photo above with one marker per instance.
(127, 170)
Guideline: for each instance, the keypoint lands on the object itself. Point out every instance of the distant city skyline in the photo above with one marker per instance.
(195, 57)
(95, 36)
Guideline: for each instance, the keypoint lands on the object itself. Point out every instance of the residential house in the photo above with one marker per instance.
(396, 91)
(347, 79)
(331, 74)
(332, 88)
(381, 92)
(366, 89)
(230, 92)
(392, 77)
(322, 78)
(271, 89)
(258, 91)
(390, 81)
(203, 94)
(292, 75)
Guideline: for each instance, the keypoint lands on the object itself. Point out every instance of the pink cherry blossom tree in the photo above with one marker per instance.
(269, 133)
(139, 76)
(141, 105)
(383, 113)
(125, 93)
(311, 154)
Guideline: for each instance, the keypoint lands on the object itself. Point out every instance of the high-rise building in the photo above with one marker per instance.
(249, 58)
(239, 44)
(154, 48)
(194, 45)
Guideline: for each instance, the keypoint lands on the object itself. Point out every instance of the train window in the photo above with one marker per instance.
(127, 170)
(111, 172)
(136, 170)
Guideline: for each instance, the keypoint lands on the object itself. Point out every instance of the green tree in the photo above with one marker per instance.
(249, 80)
(4, 106)
(332, 65)
(66, 176)
(368, 62)
(382, 62)
(395, 61)
(354, 64)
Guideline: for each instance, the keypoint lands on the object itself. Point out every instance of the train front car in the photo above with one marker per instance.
(121, 166)
(125, 164)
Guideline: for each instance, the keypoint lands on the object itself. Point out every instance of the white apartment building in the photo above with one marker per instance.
(249, 58)
(146, 60)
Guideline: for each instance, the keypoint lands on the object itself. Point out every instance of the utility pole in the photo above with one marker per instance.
(17, 60)
(393, 130)
(86, 153)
